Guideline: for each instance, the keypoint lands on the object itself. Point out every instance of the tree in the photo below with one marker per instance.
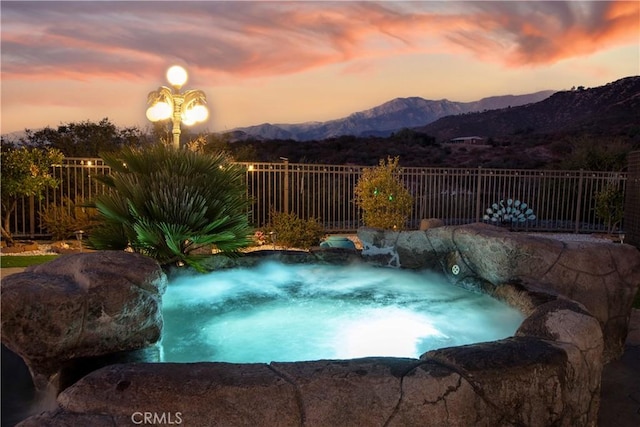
(84, 139)
(610, 205)
(168, 203)
(590, 153)
(385, 202)
(25, 172)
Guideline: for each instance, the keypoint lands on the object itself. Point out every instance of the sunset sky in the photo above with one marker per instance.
(297, 61)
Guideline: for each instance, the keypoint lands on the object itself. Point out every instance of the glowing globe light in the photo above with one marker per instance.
(197, 114)
(159, 111)
(187, 119)
(183, 107)
(177, 76)
(200, 113)
(151, 114)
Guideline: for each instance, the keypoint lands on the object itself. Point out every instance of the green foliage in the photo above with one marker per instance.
(596, 154)
(24, 172)
(385, 202)
(293, 232)
(169, 203)
(84, 139)
(24, 260)
(64, 219)
(411, 136)
(610, 205)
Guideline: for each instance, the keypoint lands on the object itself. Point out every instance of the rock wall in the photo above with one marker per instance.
(78, 306)
(548, 374)
(603, 276)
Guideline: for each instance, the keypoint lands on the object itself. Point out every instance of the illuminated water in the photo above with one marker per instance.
(277, 312)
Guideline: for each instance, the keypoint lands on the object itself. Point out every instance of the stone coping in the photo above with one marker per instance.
(604, 277)
(547, 373)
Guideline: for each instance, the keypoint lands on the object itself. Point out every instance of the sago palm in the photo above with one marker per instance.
(167, 203)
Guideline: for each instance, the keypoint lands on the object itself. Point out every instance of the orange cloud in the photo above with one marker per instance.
(548, 32)
(84, 40)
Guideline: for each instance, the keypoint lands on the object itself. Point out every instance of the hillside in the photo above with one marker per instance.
(570, 129)
(613, 108)
(382, 120)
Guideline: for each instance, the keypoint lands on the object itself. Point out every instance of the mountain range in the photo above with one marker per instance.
(612, 109)
(383, 120)
(567, 130)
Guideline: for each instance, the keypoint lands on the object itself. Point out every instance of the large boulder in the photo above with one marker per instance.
(603, 276)
(81, 305)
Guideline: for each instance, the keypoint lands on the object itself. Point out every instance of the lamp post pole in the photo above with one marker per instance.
(188, 107)
(177, 118)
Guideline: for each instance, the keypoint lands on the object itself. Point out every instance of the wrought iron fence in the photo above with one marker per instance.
(563, 201)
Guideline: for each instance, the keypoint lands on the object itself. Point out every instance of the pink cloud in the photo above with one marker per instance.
(539, 33)
(133, 40)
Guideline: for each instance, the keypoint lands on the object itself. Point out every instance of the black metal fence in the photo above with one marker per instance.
(562, 201)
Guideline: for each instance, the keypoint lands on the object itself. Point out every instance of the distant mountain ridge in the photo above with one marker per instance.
(384, 119)
(613, 108)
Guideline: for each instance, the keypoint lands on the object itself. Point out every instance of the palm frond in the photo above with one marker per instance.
(166, 203)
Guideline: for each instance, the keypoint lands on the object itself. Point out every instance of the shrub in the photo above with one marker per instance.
(291, 231)
(64, 219)
(25, 172)
(610, 206)
(385, 202)
(168, 203)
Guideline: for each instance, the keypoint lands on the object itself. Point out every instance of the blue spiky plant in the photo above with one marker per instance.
(509, 212)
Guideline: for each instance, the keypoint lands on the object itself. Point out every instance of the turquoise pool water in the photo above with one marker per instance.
(277, 312)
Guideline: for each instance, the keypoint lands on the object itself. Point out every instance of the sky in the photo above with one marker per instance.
(298, 61)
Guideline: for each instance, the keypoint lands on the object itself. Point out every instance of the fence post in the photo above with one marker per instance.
(286, 184)
(478, 198)
(32, 217)
(579, 201)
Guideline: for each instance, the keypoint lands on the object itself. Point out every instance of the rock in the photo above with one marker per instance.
(428, 223)
(315, 255)
(68, 247)
(81, 305)
(363, 392)
(521, 381)
(202, 394)
(518, 381)
(498, 255)
(604, 277)
(65, 419)
(548, 374)
(19, 247)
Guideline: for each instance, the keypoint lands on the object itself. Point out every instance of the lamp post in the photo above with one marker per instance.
(188, 107)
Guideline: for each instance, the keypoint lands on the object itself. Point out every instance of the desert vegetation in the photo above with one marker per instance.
(291, 231)
(25, 171)
(383, 198)
(171, 204)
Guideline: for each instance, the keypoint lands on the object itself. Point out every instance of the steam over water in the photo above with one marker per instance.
(277, 312)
